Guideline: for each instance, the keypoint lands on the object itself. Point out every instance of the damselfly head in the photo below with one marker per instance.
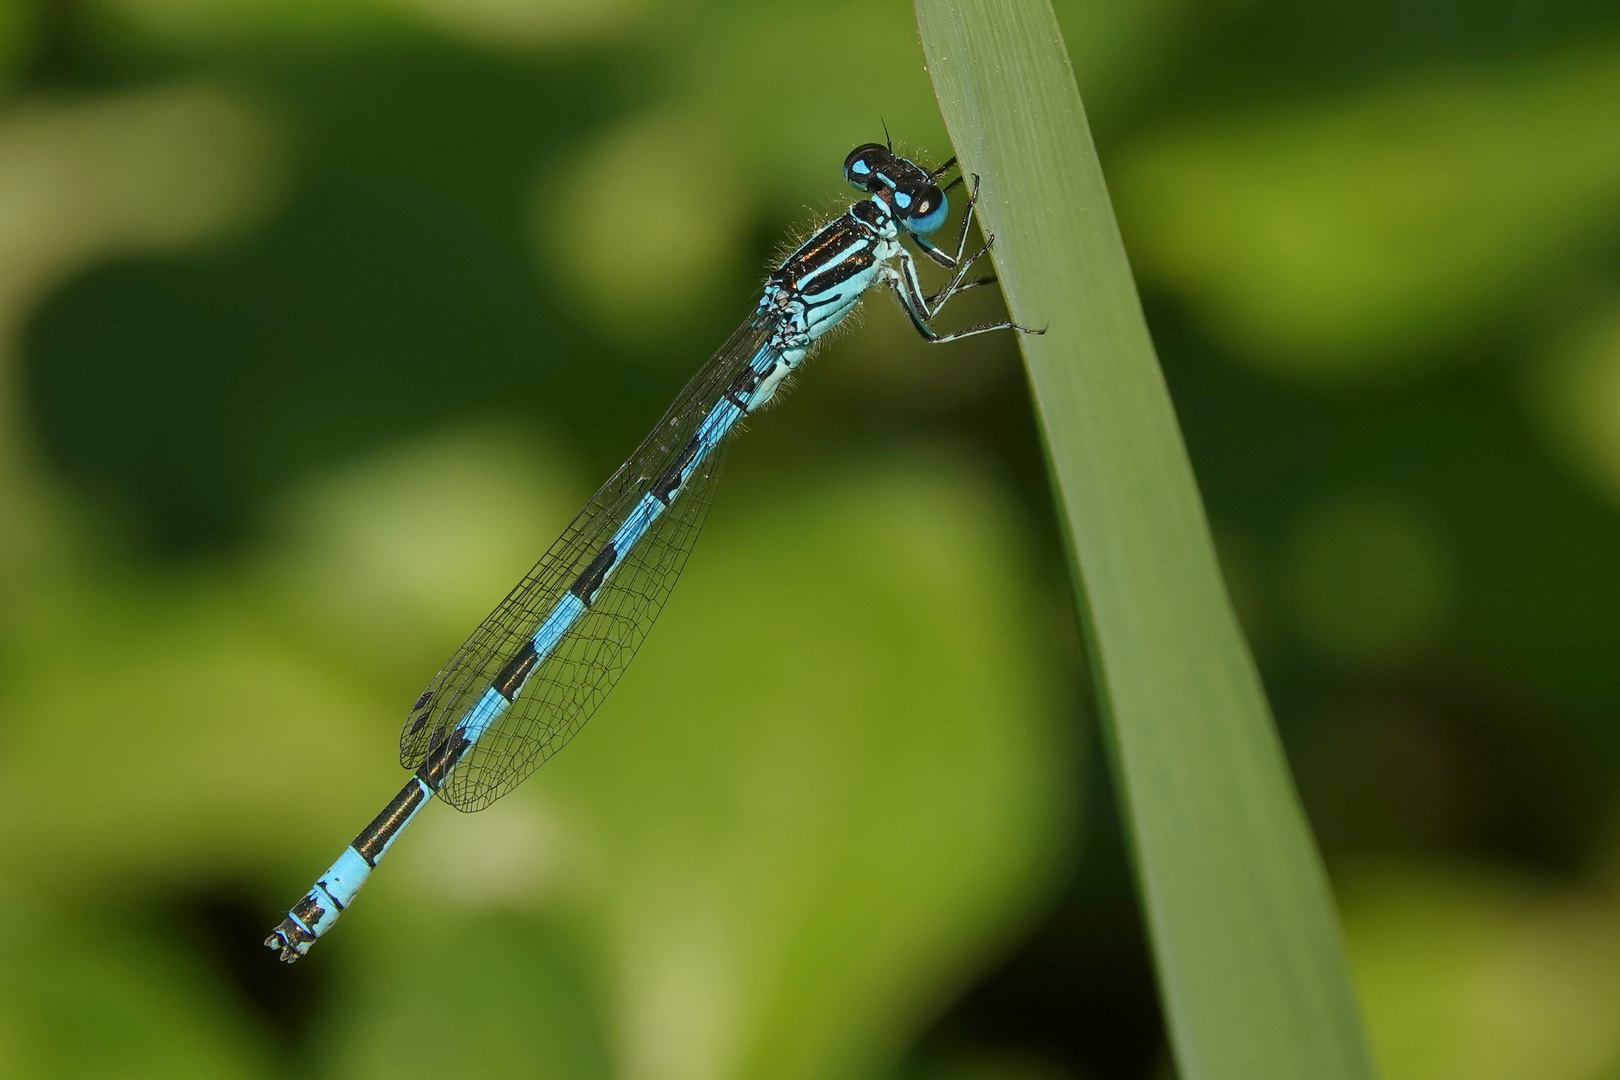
(918, 203)
(870, 167)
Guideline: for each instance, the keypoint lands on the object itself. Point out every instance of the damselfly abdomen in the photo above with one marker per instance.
(533, 672)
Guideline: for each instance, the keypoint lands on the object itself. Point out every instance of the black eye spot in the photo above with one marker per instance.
(864, 164)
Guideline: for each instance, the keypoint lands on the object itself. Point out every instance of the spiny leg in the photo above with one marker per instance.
(932, 304)
(940, 297)
(905, 286)
(909, 287)
(954, 286)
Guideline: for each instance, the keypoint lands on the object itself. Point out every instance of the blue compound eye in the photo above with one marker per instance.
(926, 210)
(862, 167)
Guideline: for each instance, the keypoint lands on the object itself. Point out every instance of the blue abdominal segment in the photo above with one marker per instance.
(660, 493)
(335, 890)
(316, 913)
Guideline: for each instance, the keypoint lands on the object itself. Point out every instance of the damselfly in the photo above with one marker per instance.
(533, 672)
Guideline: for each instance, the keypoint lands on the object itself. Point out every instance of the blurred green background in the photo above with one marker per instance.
(319, 318)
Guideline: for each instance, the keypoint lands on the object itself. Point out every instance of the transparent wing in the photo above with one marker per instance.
(584, 666)
(568, 685)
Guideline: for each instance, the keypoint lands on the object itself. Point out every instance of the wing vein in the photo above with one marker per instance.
(532, 673)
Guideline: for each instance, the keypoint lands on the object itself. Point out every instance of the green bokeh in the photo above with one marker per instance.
(318, 321)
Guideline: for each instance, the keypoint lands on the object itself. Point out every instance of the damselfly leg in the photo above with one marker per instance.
(921, 308)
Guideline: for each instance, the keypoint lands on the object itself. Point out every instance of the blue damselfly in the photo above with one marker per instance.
(533, 672)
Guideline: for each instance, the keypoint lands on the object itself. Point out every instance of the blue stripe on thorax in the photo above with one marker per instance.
(849, 249)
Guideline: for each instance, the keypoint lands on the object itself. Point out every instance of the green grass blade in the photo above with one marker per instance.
(1246, 942)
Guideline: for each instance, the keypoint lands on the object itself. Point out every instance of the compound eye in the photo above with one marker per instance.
(924, 210)
(864, 164)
